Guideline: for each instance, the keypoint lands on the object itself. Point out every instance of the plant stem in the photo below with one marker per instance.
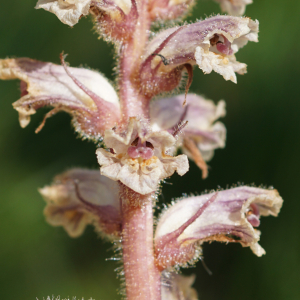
(133, 102)
(141, 274)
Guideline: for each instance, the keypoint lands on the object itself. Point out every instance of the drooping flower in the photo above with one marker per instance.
(86, 95)
(139, 157)
(177, 287)
(234, 7)
(68, 11)
(80, 197)
(211, 44)
(226, 216)
(202, 134)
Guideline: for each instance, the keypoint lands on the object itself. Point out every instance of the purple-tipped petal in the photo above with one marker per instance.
(177, 287)
(91, 99)
(211, 44)
(223, 216)
(80, 197)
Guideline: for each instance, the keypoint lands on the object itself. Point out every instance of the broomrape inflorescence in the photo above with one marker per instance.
(140, 136)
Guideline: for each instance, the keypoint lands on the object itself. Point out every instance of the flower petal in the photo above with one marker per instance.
(44, 84)
(178, 287)
(80, 197)
(221, 216)
(68, 11)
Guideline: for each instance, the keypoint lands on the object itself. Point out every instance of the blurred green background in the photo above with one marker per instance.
(263, 147)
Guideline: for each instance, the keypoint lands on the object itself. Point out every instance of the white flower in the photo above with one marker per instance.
(139, 157)
(68, 11)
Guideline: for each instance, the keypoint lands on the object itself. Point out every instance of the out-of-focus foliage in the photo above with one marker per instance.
(263, 147)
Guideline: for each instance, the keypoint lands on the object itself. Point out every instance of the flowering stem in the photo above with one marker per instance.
(141, 274)
(133, 102)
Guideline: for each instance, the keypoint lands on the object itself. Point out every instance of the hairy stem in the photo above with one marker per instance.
(141, 274)
(133, 102)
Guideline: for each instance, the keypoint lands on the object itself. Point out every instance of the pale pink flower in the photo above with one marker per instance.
(202, 134)
(226, 216)
(80, 197)
(87, 95)
(139, 157)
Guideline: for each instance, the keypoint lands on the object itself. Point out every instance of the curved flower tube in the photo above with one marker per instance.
(202, 134)
(226, 216)
(211, 44)
(86, 95)
(80, 197)
(139, 157)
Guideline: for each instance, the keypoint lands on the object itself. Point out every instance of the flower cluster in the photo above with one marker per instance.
(140, 131)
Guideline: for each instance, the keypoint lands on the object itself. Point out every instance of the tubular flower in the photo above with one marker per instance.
(202, 134)
(68, 11)
(80, 197)
(211, 44)
(234, 7)
(226, 216)
(85, 94)
(139, 157)
(177, 287)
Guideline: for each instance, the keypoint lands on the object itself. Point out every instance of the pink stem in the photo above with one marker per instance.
(141, 274)
(133, 102)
